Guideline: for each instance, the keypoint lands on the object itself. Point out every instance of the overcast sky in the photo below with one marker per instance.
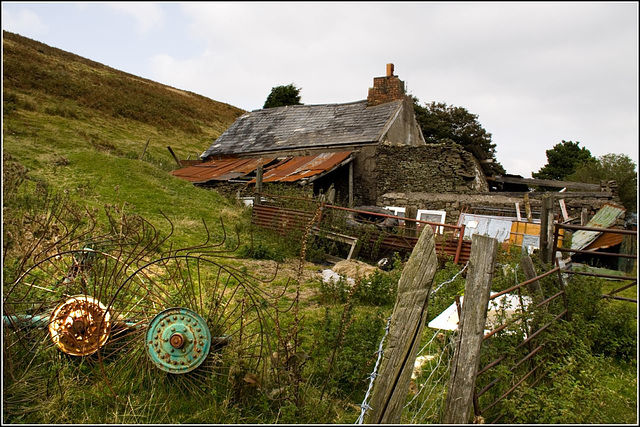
(534, 73)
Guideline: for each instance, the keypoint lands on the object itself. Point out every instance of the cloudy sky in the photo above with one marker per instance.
(534, 73)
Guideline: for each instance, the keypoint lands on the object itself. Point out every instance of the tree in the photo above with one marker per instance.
(612, 167)
(562, 161)
(283, 95)
(440, 122)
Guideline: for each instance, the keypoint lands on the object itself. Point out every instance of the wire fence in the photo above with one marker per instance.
(430, 380)
(430, 376)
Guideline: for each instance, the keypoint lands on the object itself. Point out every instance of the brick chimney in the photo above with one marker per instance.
(386, 89)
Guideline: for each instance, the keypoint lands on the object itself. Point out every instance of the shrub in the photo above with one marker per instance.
(617, 329)
(379, 289)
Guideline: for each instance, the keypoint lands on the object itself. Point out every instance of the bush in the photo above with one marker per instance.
(342, 363)
(260, 250)
(379, 289)
(617, 330)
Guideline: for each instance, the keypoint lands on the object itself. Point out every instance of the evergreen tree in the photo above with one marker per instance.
(563, 160)
(283, 95)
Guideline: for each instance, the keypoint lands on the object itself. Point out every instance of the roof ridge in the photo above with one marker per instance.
(310, 105)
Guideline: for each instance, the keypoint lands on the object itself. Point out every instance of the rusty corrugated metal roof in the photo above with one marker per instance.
(604, 218)
(290, 169)
(219, 170)
(301, 167)
(605, 240)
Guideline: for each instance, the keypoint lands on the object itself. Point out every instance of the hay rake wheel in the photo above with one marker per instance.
(55, 315)
(208, 334)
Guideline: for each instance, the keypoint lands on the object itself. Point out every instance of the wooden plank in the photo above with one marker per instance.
(563, 209)
(569, 185)
(527, 207)
(466, 357)
(407, 321)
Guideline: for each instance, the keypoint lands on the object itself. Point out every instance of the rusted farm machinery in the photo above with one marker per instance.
(119, 312)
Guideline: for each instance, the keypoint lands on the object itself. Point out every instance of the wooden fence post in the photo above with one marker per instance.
(529, 270)
(470, 330)
(258, 189)
(408, 319)
(145, 148)
(410, 227)
(546, 230)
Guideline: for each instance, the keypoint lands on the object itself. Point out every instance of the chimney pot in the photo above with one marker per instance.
(389, 70)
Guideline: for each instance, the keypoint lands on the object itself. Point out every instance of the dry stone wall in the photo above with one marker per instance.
(454, 204)
(433, 168)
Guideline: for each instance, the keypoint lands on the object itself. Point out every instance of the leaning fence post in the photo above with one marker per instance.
(408, 319)
(546, 230)
(470, 330)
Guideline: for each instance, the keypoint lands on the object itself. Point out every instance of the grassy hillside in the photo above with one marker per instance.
(80, 128)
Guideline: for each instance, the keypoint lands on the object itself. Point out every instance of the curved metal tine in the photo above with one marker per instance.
(202, 249)
(218, 254)
(40, 266)
(140, 245)
(192, 249)
(159, 242)
(221, 295)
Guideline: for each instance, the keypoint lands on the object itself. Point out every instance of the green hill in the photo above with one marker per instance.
(80, 128)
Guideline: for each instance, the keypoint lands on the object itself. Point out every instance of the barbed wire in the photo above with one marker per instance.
(450, 280)
(365, 406)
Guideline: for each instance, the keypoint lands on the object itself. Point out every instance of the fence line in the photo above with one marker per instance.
(268, 214)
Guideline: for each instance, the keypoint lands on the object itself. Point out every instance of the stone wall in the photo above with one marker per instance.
(432, 168)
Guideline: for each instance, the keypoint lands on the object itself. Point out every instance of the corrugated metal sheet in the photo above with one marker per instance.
(219, 170)
(290, 169)
(301, 167)
(605, 240)
(604, 218)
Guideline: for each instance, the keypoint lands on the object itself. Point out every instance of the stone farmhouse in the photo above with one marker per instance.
(370, 152)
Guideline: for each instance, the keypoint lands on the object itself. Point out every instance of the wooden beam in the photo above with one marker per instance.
(174, 155)
(351, 184)
(258, 188)
(546, 183)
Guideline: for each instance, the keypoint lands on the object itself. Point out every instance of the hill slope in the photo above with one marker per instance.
(80, 128)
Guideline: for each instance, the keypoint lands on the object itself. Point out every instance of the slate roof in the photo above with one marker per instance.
(305, 126)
